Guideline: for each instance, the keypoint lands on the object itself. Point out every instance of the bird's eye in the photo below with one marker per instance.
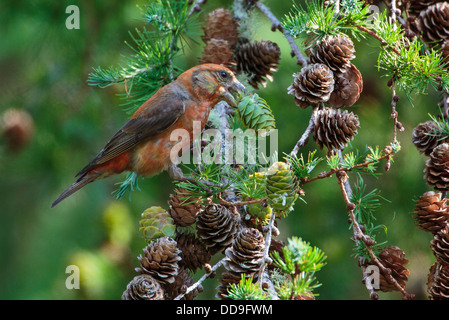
(223, 74)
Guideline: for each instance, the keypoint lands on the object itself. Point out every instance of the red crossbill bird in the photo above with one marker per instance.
(143, 144)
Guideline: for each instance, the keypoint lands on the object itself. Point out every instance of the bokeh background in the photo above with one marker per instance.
(43, 71)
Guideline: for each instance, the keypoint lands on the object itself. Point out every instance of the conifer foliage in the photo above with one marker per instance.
(229, 212)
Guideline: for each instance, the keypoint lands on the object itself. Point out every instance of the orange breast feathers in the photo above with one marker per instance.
(152, 157)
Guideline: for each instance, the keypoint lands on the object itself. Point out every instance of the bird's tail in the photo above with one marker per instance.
(81, 182)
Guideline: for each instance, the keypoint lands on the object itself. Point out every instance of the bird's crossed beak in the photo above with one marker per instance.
(235, 86)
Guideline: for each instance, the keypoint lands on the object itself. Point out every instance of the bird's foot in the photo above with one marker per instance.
(176, 173)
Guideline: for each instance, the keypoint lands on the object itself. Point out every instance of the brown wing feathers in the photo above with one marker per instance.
(135, 131)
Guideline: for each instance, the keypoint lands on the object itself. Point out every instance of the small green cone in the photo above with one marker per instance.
(156, 223)
(281, 188)
(255, 113)
(259, 214)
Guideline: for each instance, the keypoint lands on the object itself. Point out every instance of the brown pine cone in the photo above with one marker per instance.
(246, 253)
(184, 208)
(143, 287)
(437, 168)
(312, 86)
(220, 24)
(217, 227)
(393, 258)
(440, 246)
(218, 51)
(347, 89)
(307, 295)
(438, 282)
(258, 60)
(336, 52)
(182, 281)
(334, 129)
(425, 137)
(431, 212)
(160, 260)
(17, 128)
(415, 7)
(194, 253)
(244, 257)
(434, 23)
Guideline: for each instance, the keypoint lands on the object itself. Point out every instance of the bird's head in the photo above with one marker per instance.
(216, 81)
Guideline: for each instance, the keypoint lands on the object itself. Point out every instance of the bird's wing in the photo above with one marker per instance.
(135, 131)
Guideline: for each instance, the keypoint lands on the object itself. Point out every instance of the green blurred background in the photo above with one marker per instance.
(44, 68)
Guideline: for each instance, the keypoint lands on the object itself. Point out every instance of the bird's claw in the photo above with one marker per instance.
(176, 173)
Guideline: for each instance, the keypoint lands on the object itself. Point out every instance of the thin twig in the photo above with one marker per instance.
(337, 7)
(238, 203)
(445, 105)
(393, 11)
(376, 36)
(329, 173)
(347, 185)
(277, 25)
(196, 6)
(394, 113)
(269, 286)
(266, 259)
(204, 277)
(342, 180)
(360, 236)
(303, 140)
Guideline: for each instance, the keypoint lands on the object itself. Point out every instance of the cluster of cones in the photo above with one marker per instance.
(394, 261)
(258, 60)
(431, 215)
(330, 78)
(430, 20)
(184, 238)
(431, 212)
(171, 257)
